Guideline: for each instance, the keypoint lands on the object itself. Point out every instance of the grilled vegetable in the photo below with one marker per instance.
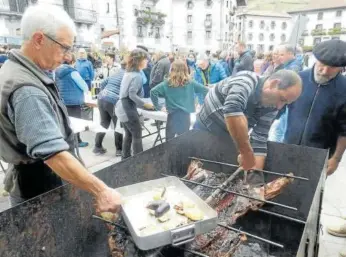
(109, 216)
(164, 218)
(159, 194)
(194, 214)
(162, 209)
(153, 205)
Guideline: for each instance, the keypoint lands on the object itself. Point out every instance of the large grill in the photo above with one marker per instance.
(60, 222)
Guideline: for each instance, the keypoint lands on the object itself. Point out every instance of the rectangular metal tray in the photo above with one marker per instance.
(176, 236)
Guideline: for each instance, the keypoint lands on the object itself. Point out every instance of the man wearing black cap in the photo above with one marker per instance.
(318, 117)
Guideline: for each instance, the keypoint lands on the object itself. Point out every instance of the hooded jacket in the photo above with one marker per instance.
(71, 92)
(85, 69)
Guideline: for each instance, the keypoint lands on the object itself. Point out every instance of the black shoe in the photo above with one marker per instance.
(118, 152)
(99, 150)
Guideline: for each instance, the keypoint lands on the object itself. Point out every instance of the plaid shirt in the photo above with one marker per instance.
(235, 96)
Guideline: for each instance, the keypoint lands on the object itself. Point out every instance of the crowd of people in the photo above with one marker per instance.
(250, 97)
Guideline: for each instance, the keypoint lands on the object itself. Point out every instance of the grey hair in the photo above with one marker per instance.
(299, 50)
(289, 48)
(223, 54)
(47, 19)
(203, 57)
(287, 78)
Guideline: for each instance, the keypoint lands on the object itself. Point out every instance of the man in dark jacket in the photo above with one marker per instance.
(245, 60)
(160, 70)
(318, 117)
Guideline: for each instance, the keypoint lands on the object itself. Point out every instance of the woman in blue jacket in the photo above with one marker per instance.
(72, 88)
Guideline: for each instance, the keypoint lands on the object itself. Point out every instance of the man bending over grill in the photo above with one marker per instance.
(36, 138)
(247, 104)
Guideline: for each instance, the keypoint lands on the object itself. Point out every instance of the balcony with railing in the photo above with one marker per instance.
(80, 15)
(145, 17)
(14, 7)
(336, 31)
(305, 33)
(318, 32)
(208, 24)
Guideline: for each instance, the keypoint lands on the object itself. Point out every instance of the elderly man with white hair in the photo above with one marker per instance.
(208, 72)
(36, 138)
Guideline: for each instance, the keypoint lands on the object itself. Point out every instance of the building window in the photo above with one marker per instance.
(271, 48)
(320, 16)
(208, 34)
(260, 48)
(239, 26)
(337, 25)
(107, 8)
(250, 36)
(189, 34)
(189, 5)
(250, 24)
(262, 24)
(157, 30)
(208, 17)
(273, 25)
(227, 4)
(283, 38)
(189, 19)
(317, 40)
(319, 26)
(148, 9)
(261, 37)
(284, 25)
(272, 37)
(301, 42)
(140, 31)
(250, 46)
(209, 3)
(226, 19)
(336, 38)
(338, 13)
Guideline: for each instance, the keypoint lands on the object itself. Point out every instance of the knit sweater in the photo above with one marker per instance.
(177, 98)
(110, 87)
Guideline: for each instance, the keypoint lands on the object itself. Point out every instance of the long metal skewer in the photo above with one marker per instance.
(110, 222)
(282, 216)
(236, 166)
(251, 235)
(191, 251)
(235, 193)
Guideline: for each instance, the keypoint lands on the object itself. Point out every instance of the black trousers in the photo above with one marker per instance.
(107, 115)
(132, 130)
(75, 111)
(178, 122)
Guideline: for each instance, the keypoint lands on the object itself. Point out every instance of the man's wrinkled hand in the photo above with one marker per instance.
(247, 160)
(332, 166)
(149, 106)
(108, 200)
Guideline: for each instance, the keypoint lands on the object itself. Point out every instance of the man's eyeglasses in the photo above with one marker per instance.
(66, 49)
